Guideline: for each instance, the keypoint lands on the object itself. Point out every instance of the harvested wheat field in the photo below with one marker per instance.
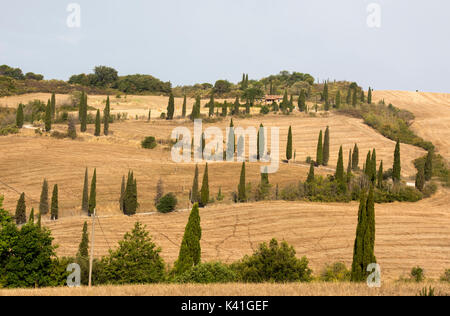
(295, 289)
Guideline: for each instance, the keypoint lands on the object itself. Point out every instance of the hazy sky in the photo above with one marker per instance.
(189, 41)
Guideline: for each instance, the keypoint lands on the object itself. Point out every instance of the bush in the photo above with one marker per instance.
(4, 131)
(264, 110)
(167, 203)
(273, 263)
(417, 274)
(337, 272)
(446, 276)
(211, 272)
(149, 143)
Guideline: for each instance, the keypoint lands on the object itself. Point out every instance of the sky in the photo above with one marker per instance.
(385, 44)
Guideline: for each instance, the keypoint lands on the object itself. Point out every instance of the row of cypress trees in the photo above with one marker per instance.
(323, 148)
(89, 200)
(128, 195)
(201, 197)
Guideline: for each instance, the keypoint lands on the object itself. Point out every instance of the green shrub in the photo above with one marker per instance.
(446, 276)
(167, 203)
(427, 292)
(205, 273)
(264, 109)
(273, 263)
(337, 272)
(429, 190)
(149, 143)
(4, 131)
(417, 274)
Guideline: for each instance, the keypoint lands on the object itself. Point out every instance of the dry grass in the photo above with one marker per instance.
(295, 289)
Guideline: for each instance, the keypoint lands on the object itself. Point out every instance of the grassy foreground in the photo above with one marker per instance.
(295, 289)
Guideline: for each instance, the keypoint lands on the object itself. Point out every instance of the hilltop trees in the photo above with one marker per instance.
(19, 116)
(21, 209)
(204, 193)
(171, 107)
(85, 198)
(106, 117)
(43, 203)
(319, 152)
(289, 145)
(93, 194)
(364, 247)
(190, 250)
(326, 147)
(54, 208)
(396, 173)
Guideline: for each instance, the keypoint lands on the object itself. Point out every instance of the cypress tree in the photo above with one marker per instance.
(211, 105)
(311, 174)
(122, 193)
(355, 98)
(349, 96)
(363, 97)
(326, 147)
(21, 210)
(159, 191)
(302, 101)
(83, 112)
(19, 116)
(48, 117)
(83, 248)
(190, 250)
(368, 166)
(195, 196)
(231, 141)
(39, 221)
(289, 145)
(420, 178)
(183, 111)
(149, 115)
(373, 165)
(340, 167)
(54, 208)
(349, 166)
(338, 99)
(106, 117)
(93, 194)
(236, 106)
(261, 143)
(319, 153)
(428, 172)
(225, 109)
(204, 195)
(396, 173)
(71, 129)
(369, 96)
(242, 195)
(31, 218)
(369, 237)
(325, 94)
(196, 108)
(130, 203)
(53, 105)
(171, 107)
(80, 106)
(85, 198)
(380, 177)
(43, 204)
(97, 124)
(355, 158)
(285, 103)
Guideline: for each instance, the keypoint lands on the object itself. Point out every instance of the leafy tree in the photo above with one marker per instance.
(54, 208)
(242, 194)
(85, 198)
(340, 167)
(204, 193)
(355, 158)
(183, 111)
(43, 203)
(396, 173)
(97, 124)
(137, 260)
(171, 107)
(222, 87)
(326, 147)
(289, 145)
(167, 203)
(93, 194)
(21, 211)
(319, 153)
(363, 253)
(106, 117)
(190, 250)
(19, 116)
(105, 76)
(428, 171)
(48, 117)
(195, 195)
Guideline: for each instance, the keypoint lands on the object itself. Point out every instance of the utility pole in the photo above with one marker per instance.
(91, 259)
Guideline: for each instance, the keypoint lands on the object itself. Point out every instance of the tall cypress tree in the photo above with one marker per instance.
(196, 109)
(369, 96)
(311, 174)
(53, 105)
(261, 143)
(428, 172)
(39, 221)
(396, 173)
(97, 124)
(420, 178)
(106, 117)
(225, 109)
(373, 165)
(19, 116)
(363, 97)
(204, 195)
(183, 111)
(340, 167)
(122, 193)
(302, 101)
(289, 145)
(130, 203)
(31, 218)
(93, 194)
(171, 107)
(236, 106)
(85, 197)
(349, 166)
(242, 194)
(355, 158)
(54, 208)
(354, 98)
(349, 96)
(48, 117)
(21, 210)
(338, 100)
(380, 176)
(319, 152)
(83, 112)
(195, 196)
(211, 105)
(368, 166)
(190, 250)
(83, 248)
(326, 147)
(43, 203)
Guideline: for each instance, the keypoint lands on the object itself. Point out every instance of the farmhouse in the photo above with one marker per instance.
(271, 98)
